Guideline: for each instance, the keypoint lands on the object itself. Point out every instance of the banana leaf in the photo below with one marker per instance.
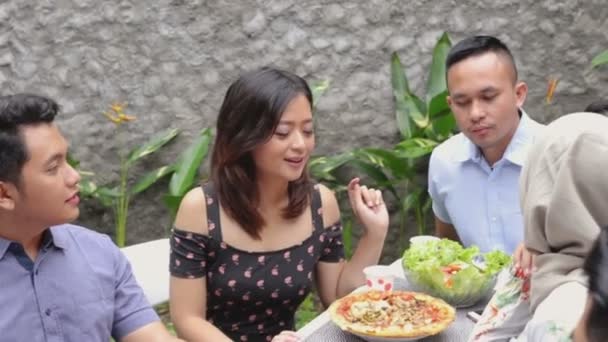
(415, 147)
(151, 177)
(152, 145)
(600, 59)
(188, 164)
(408, 107)
(436, 82)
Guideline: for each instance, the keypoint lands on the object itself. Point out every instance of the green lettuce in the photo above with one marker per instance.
(424, 265)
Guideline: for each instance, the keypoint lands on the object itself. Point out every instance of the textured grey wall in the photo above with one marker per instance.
(172, 60)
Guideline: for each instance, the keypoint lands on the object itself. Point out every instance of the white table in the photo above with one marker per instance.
(323, 329)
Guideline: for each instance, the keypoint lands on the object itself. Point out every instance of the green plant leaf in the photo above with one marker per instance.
(110, 192)
(436, 82)
(439, 105)
(152, 145)
(418, 112)
(600, 59)
(347, 237)
(411, 200)
(106, 196)
(87, 188)
(376, 174)
(323, 167)
(409, 108)
(415, 147)
(188, 164)
(172, 203)
(148, 179)
(428, 202)
(400, 89)
(73, 162)
(318, 89)
(387, 159)
(444, 126)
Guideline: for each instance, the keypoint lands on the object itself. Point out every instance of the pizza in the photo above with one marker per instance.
(392, 314)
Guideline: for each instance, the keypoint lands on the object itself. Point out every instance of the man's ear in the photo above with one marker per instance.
(8, 193)
(521, 91)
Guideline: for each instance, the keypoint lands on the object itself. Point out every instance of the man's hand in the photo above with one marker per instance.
(523, 259)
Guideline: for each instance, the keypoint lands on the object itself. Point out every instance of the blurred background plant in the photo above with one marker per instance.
(401, 170)
(600, 59)
(551, 109)
(184, 171)
(118, 196)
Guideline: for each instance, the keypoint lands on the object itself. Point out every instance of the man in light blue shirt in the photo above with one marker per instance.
(474, 176)
(58, 282)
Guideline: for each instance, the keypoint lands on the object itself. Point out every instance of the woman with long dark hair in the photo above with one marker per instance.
(248, 244)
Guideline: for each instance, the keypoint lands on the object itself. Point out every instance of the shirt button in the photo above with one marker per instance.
(494, 219)
(48, 312)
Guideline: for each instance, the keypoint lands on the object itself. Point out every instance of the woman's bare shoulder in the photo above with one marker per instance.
(331, 209)
(192, 213)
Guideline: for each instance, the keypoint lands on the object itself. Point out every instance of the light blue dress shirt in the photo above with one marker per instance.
(80, 288)
(481, 202)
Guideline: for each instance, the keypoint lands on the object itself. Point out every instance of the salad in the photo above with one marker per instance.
(446, 269)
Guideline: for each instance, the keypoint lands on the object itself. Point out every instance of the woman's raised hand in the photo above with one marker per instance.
(369, 208)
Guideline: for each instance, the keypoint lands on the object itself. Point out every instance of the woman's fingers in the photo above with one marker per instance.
(379, 199)
(361, 194)
(368, 196)
(354, 192)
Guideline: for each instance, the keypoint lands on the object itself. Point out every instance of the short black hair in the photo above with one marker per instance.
(596, 267)
(600, 107)
(478, 45)
(16, 111)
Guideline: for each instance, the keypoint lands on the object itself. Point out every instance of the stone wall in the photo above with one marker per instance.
(172, 61)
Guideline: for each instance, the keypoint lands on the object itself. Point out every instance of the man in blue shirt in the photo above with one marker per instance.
(59, 282)
(474, 176)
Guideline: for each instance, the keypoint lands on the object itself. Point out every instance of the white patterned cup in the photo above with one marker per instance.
(379, 277)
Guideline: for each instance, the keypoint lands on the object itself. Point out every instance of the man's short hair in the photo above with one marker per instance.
(16, 111)
(600, 107)
(478, 45)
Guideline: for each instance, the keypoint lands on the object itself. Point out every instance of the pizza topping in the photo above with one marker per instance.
(369, 311)
(397, 313)
(403, 310)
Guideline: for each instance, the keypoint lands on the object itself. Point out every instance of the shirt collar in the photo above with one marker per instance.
(59, 237)
(3, 247)
(53, 236)
(516, 150)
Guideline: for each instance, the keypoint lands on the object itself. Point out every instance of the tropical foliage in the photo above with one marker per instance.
(423, 123)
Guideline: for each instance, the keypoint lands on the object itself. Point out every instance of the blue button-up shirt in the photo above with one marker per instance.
(79, 288)
(481, 202)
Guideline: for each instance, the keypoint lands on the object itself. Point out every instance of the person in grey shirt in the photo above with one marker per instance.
(59, 282)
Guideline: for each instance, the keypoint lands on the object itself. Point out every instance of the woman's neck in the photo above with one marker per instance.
(272, 193)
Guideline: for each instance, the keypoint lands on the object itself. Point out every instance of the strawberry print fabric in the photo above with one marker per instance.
(253, 296)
